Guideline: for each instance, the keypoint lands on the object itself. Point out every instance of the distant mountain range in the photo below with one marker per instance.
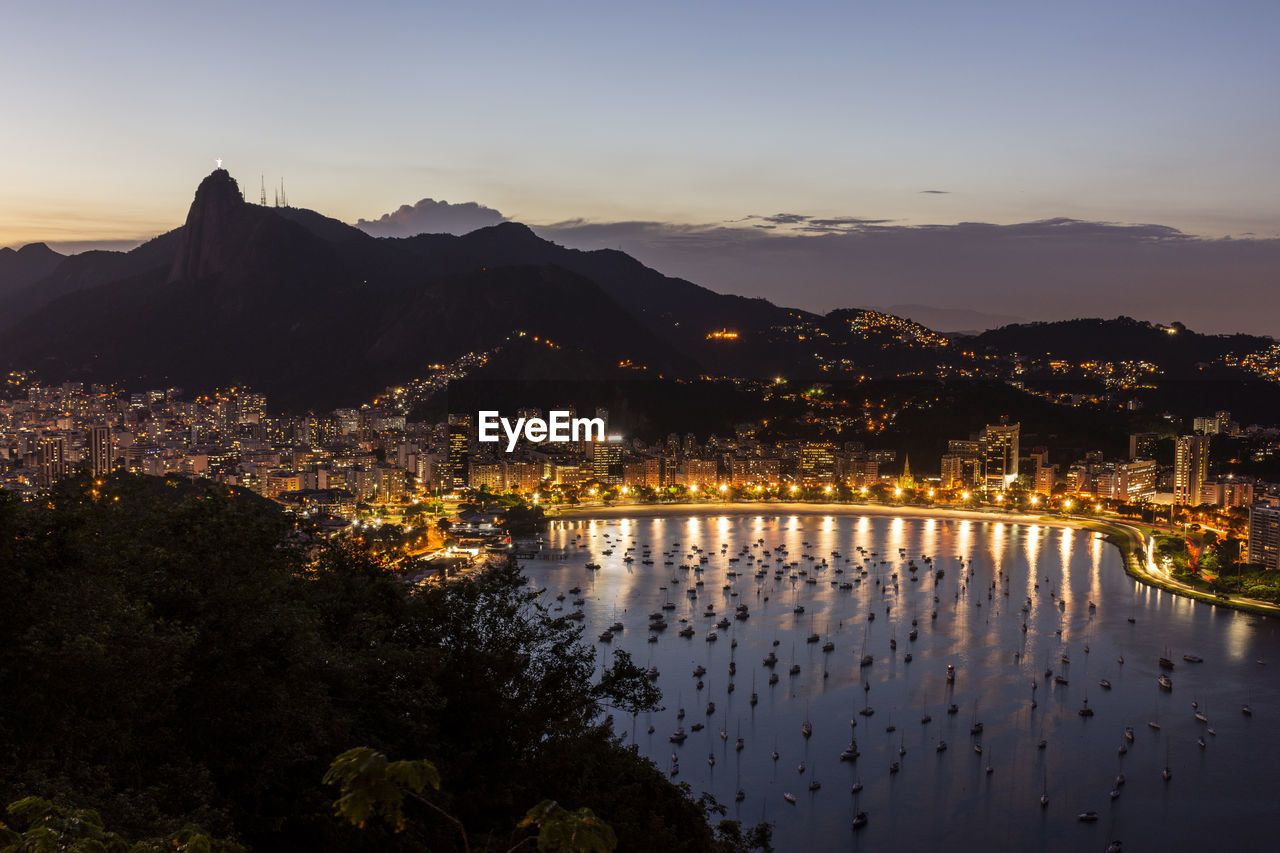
(318, 313)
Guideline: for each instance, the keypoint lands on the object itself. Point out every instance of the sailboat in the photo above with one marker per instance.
(754, 696)
(1044, 795)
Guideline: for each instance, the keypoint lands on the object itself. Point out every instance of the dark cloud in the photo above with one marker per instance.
(935, 192)
(1044, 270)
(840, 224)
(784, 218)
(432, 217)
(75, 247)
(966, 275)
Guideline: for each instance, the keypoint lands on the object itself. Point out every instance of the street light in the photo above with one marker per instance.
(1066, 504)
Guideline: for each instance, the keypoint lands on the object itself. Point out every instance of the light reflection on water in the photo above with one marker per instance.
(1222, 794)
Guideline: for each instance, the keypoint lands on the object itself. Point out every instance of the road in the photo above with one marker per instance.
(1145, 568)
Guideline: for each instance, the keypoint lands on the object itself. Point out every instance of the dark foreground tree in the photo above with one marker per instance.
(175, 654)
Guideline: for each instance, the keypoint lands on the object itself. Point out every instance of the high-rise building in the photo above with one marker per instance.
(524, 477)
(702, 473)
(1228, 492)
(754, 471)
(51, 463)
(459, 453)
(606, 459)
(1135, 481)
(100, 451)
(817, 464)
(645, 472)
(1190, 469)
(1264, 534)
(1142, 445)
(489, 475)
(1046, 478)
(999, 444)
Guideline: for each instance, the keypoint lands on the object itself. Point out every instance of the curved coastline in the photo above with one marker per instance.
(1131, 542)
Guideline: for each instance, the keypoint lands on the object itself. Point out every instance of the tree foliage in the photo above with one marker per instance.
(177, 654)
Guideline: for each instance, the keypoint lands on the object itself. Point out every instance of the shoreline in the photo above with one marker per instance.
(802, 508)
(1129, 541)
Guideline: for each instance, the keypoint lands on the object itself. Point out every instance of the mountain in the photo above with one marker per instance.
(1175, 348)
(19, 268)
(317, 313)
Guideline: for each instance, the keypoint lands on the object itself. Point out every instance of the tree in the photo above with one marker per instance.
(369, 784)
(40, 825)
(176, 653)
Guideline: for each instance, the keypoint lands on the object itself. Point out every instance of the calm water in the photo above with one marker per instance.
(1221, 795)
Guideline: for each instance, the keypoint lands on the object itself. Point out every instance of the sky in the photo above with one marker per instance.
(678, 115)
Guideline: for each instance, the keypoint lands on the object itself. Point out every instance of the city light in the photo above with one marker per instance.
(1034, 500)
(827, 490)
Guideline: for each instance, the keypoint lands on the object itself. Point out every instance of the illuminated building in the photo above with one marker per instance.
(962, 465)
(459, 455)
(906, 481)
(1227, 492)
(1264, 534)
(697, 472)
(1142, 445)
(1046, 478)
(391, 484)
(489, 475)
(606, 459)
(754, 471)
(645, 472)
(1190, 469)
(999, 443)
(524, 477)
(817, 464)
(51, 462)
(101, 454)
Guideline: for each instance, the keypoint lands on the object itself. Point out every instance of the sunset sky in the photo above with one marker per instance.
(682, 113)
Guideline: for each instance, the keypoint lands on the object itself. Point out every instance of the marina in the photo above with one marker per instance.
(918, 619)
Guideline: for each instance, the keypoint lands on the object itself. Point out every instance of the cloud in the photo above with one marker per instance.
(965, 275)
(935, 192)
(784, 218)
(1049, 269)
(431, 217)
